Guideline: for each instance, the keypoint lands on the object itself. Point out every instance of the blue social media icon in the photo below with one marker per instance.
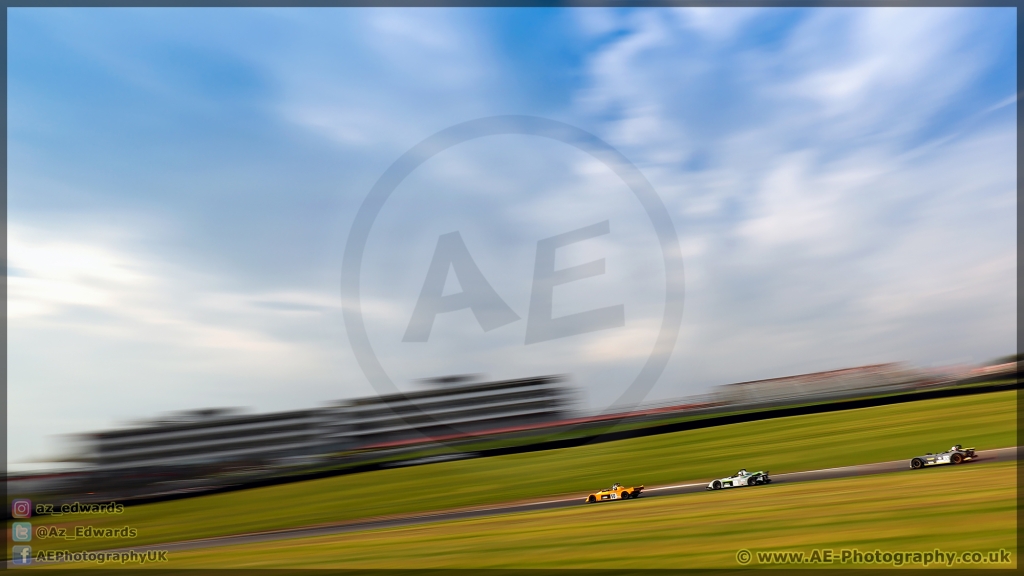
(21, 531)
(21, 555)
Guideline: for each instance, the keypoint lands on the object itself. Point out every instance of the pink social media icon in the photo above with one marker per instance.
(21, 508)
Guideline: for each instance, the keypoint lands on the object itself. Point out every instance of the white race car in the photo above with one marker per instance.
(742, 478)
(955, 455)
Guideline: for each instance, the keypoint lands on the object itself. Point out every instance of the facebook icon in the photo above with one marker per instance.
(21, 555)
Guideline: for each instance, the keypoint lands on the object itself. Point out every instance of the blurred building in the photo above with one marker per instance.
(859, 381)
(454, 407)
(205, 437)
(215, 438)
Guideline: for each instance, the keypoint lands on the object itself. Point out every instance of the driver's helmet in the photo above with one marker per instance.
(742, 472)
(954, 448)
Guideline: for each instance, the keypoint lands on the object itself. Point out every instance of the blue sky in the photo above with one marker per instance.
(181, 184)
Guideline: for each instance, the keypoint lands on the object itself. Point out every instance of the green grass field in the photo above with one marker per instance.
(539, 436)
(961, 509)
(780, 445)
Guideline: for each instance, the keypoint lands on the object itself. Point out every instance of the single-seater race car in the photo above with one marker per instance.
(742, 478)
(616, 492)
(955, 455)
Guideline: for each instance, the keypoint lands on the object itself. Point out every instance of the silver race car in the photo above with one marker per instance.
(742, 478)
(955, 455)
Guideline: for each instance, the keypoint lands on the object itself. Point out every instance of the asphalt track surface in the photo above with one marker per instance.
(997, 455)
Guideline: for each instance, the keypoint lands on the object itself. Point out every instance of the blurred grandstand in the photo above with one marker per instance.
(848, 382)
(456, 417)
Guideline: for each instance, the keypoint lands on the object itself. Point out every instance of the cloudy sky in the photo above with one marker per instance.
(181, 185)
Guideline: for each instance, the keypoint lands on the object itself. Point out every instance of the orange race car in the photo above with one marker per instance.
(616, 492)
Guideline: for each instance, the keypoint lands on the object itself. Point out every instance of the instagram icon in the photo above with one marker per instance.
(21, 508)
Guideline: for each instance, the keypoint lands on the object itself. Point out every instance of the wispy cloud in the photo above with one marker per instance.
(828, 182)
(105, 333)
(50, 277)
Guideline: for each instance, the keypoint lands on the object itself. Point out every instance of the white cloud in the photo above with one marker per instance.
(106, 333)
(385, 76)
(716, 23)
(824, 220)
(45, 275)
(52, 276)
(1012, 99)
